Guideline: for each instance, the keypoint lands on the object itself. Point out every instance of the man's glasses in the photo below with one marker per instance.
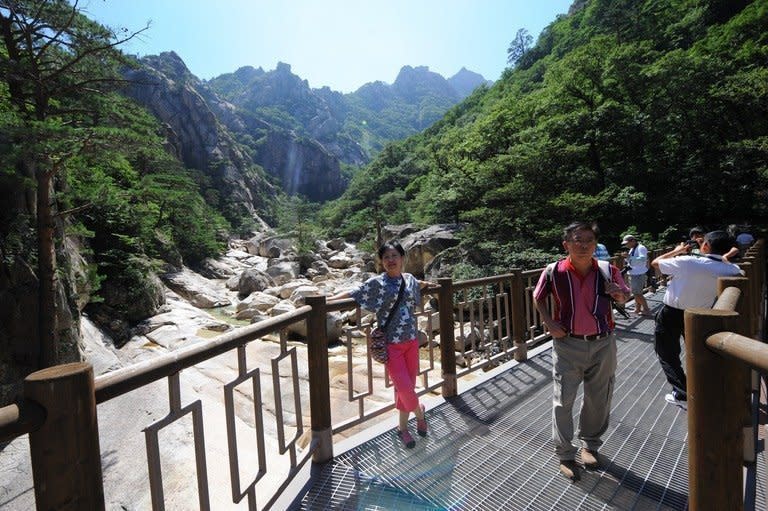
(582, 241)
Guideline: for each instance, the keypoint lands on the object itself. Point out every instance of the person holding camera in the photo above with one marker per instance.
(695, 240)
(694, 284)
(636, 266)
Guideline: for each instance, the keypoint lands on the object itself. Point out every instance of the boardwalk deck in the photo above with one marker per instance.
(489, 448)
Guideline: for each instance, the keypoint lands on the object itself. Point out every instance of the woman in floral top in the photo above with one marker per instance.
(379, 294)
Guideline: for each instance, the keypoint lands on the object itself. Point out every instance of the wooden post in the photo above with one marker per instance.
(749, 378)
(517, 293)
(66, 460)
(715, 414)
(319, 379)
(758, 252)
(743, 308)
(749, 272)
(756, 279)
(447, 341)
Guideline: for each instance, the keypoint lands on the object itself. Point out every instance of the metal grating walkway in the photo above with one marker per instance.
(490, 449)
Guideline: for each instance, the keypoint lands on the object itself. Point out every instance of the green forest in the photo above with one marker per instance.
(647, 116)
(643, 115)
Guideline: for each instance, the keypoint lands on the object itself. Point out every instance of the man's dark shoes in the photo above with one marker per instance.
(590, 459)
(570, 469)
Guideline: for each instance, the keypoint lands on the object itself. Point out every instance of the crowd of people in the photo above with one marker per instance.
(584, 288)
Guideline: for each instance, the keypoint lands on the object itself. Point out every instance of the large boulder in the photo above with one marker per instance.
(466, 334)
(257, 303)
(283, 271)
(211, 268)
(423, 246)
(287, 289)
(337, 244)
(300, 293)
(277, 246)
(334, 322)
(340, 261)
(398, 232)
(320, 268)
(444, 262)
(197, 290)
(252, 280)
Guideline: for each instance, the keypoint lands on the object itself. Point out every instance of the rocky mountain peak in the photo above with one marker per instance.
(171, 66)
(248, 73)
(412, 82)
(466, 81)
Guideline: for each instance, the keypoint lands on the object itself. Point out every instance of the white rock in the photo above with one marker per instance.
(258, 301)
(287, 289)
(283, 271)
(198, 290)
(340, 261)
(301, 292)
(282, 307)
(423, 322)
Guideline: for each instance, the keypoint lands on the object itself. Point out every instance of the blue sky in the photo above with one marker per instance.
(339, 43)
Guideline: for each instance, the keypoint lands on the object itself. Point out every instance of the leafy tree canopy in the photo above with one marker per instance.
(641, 113)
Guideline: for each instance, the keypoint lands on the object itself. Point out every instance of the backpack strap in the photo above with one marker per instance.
(605, 270)
(551, 272)
(603, 266)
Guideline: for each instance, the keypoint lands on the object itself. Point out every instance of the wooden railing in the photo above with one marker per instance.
(722, 346)
(493, 319)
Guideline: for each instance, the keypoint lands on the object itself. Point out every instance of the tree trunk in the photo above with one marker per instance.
(46, 265)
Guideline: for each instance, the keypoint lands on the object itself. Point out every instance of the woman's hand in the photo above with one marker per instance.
(425, 284)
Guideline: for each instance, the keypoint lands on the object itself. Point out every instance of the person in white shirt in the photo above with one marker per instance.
(637, 271)
(693, 284)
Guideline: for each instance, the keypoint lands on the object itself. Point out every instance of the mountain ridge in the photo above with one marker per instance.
(353, 126)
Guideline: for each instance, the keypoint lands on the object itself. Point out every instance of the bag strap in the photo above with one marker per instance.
(550, 271)
(397, 302)
(603, 266)
(605, 270)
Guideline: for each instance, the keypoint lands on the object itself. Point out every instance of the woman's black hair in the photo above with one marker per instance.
(393, 244)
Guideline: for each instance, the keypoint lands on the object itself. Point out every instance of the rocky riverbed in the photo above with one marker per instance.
(254, 280)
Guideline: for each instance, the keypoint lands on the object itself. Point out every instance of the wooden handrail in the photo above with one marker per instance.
(719, 357)
(130, 378)
(740, 348)
(716, 335)
(19, 419)
(466, 284)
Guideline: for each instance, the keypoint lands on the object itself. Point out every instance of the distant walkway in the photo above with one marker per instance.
(490, 448)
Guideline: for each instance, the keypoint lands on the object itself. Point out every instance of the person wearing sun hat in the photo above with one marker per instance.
(636, 264)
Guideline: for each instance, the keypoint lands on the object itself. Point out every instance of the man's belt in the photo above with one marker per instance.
(594, 337)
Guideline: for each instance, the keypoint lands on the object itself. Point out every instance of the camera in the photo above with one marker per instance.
(691, 244)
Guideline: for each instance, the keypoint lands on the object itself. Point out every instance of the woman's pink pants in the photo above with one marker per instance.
(403, 366)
